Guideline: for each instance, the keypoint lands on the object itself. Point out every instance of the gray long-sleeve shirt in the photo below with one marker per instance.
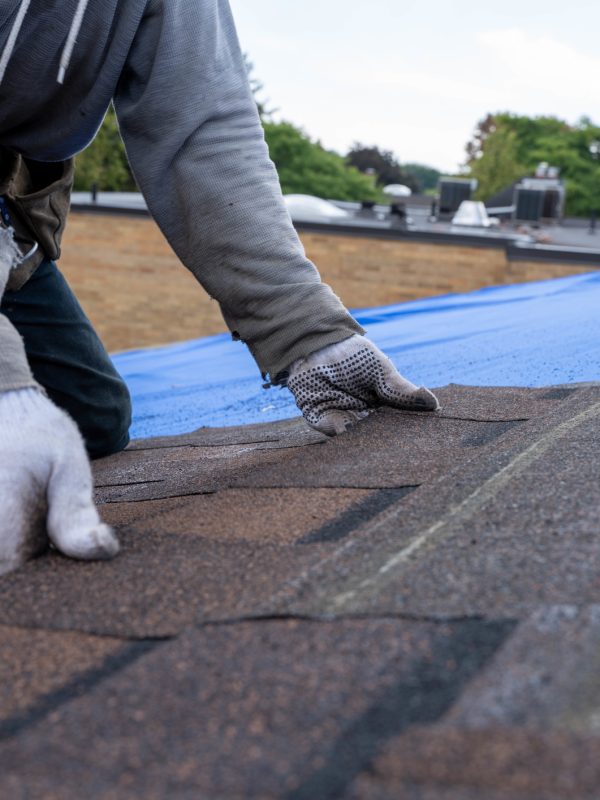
(189, 122)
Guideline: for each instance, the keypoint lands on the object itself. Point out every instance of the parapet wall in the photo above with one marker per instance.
(137, 294)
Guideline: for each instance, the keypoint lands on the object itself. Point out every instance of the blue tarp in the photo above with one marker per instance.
(533, 334)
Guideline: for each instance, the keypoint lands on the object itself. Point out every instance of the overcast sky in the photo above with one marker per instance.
(414, 76)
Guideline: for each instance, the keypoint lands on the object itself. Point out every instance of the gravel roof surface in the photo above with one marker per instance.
(411, 610)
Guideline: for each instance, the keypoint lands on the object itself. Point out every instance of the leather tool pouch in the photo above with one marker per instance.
(37, 196)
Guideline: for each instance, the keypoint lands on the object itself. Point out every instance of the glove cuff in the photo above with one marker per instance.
(14, 368)
(21, 406)
(330, 354)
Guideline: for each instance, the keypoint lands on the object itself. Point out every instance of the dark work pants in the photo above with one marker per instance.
(68, 359)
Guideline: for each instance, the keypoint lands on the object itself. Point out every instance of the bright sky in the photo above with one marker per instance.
(414, 76)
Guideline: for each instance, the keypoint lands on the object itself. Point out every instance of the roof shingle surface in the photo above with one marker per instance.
(409, 610)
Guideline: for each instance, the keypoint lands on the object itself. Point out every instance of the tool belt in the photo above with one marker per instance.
(36, 197)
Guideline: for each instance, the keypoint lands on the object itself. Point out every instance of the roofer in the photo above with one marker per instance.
(177, 78)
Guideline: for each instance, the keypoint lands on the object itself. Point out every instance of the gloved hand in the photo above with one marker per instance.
(45, 484)
(342, 383)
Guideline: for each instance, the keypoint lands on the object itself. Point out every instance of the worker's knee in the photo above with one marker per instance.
(105, 426)
(101, 411)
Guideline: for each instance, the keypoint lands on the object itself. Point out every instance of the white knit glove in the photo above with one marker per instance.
(10, 255)
(45, 484)
(342, 383)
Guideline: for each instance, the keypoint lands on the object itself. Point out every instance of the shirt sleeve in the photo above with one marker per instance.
(197, 149)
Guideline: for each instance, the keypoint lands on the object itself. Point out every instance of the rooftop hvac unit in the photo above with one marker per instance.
(553, 191)
(453, 192)
(529, 204)
(553, 204)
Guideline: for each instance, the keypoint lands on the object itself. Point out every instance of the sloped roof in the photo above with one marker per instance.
(408, 610)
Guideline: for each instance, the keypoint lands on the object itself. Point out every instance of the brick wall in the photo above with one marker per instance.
(522, 271)
(131, 285)
(371, 272)
(137, 294)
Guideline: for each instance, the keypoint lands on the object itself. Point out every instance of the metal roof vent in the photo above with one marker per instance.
(472, 214)
(397, 191)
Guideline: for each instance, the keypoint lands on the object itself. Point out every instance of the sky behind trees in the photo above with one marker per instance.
(415, 77)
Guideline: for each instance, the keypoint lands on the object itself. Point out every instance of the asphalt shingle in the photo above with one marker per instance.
(410, 610)
(497, 535)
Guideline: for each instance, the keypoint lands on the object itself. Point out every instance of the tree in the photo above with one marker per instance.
(483, 130)
(426, 177)
(384, 164)
(498, 165)
(305, 167)
(104, 163)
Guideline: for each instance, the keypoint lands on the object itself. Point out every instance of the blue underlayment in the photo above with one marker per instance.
(533, 334)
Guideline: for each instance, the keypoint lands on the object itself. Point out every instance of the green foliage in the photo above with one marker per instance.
(382, 163)
(305, 167)
(499, 166)
(425, 177)
(508, 146)
(104, 162)
(387, 169)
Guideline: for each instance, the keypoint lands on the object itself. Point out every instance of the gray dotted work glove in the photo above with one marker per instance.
(45, 484)
(336, 386)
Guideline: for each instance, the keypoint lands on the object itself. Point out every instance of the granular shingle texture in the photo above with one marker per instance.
(275, 516)
(407, 611)
(263, 735)
(35, 663)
